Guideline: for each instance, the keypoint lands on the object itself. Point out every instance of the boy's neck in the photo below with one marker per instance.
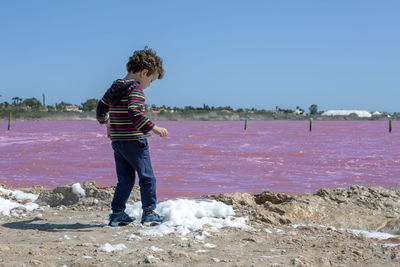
(132, 76)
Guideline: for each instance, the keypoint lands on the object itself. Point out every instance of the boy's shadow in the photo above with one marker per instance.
(50, 227)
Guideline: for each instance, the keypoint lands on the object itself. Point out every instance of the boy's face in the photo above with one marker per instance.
(145, 80)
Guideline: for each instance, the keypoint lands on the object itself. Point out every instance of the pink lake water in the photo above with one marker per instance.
(200, 158)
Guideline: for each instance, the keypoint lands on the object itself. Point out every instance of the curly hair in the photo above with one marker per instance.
(145, 59)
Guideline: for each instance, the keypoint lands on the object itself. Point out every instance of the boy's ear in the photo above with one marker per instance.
(144, 72)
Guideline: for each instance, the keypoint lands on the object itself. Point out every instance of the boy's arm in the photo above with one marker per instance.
(102, 109)
(136, 111)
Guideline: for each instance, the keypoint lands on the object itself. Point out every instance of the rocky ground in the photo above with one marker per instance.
(286, 230)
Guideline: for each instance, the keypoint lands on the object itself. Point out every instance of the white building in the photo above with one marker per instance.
(72, 108)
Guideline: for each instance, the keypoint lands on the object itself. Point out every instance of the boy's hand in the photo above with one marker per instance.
(160, 131)
(108, 129)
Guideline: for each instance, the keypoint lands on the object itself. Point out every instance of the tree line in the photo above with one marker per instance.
(90, 105)
(34, 104)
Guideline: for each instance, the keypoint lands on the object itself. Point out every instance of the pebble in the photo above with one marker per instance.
(36, 263)
(252, 239)
(299, 261)
(4, 248)
(84, 245)
(151, 259)
(178, 254)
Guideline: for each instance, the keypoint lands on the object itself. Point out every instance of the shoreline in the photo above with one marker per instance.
(191, 116)
(40, 187)
(222, 120)
(280, 230)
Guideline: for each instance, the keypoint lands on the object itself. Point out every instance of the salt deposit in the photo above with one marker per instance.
(377, 235)
(359, 113)
(149, 259)
(368, 234)
(391, 245)
(108, 247)
(133, 236)
(78, 190)
(209, 245)
(6, 205)
(18, 195)
(186, 215)
(156, 249)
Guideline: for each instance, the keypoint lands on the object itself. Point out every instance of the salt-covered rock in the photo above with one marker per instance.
(93, 195)
(151, 259)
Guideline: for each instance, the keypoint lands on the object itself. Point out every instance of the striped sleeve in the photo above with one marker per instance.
(136, 102)
(103, 106)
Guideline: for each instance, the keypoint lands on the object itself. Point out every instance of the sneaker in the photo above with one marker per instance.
(120, 219)
(151, 218)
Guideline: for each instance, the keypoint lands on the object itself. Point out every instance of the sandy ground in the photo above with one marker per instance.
(73, 235)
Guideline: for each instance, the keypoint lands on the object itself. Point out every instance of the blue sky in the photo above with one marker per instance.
(262, 54)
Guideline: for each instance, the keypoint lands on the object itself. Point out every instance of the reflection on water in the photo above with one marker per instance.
(209, 157)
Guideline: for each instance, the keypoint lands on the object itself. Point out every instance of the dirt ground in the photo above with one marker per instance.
(280, 234)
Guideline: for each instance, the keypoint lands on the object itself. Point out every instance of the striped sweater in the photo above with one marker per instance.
(123, 105)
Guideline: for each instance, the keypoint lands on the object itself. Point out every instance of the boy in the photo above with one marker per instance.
(122, 110)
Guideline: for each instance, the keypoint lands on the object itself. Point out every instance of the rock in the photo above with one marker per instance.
(274, 198)
(323, 262)
(356, 252)
(253, 239)
(178, 254)
(270, 219)
(63, 195)
(300, 261)
(311, 229)
(36, 189)
(4, 248)
(354, 208)
(274, 208)
(84, 245)
(36, 263)
(391, 226)
(25, 201)
(236, 199)
(151, 260)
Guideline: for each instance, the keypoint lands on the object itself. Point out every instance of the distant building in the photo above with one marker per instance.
(299, 112)
(44, 109)
(72, 108)
(359, 113)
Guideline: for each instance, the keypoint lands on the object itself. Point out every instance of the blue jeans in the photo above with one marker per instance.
(131, 156)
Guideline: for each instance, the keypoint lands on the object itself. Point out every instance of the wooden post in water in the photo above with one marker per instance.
(9, 121)
(310, 124)
(390, 126)
(245, 125)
